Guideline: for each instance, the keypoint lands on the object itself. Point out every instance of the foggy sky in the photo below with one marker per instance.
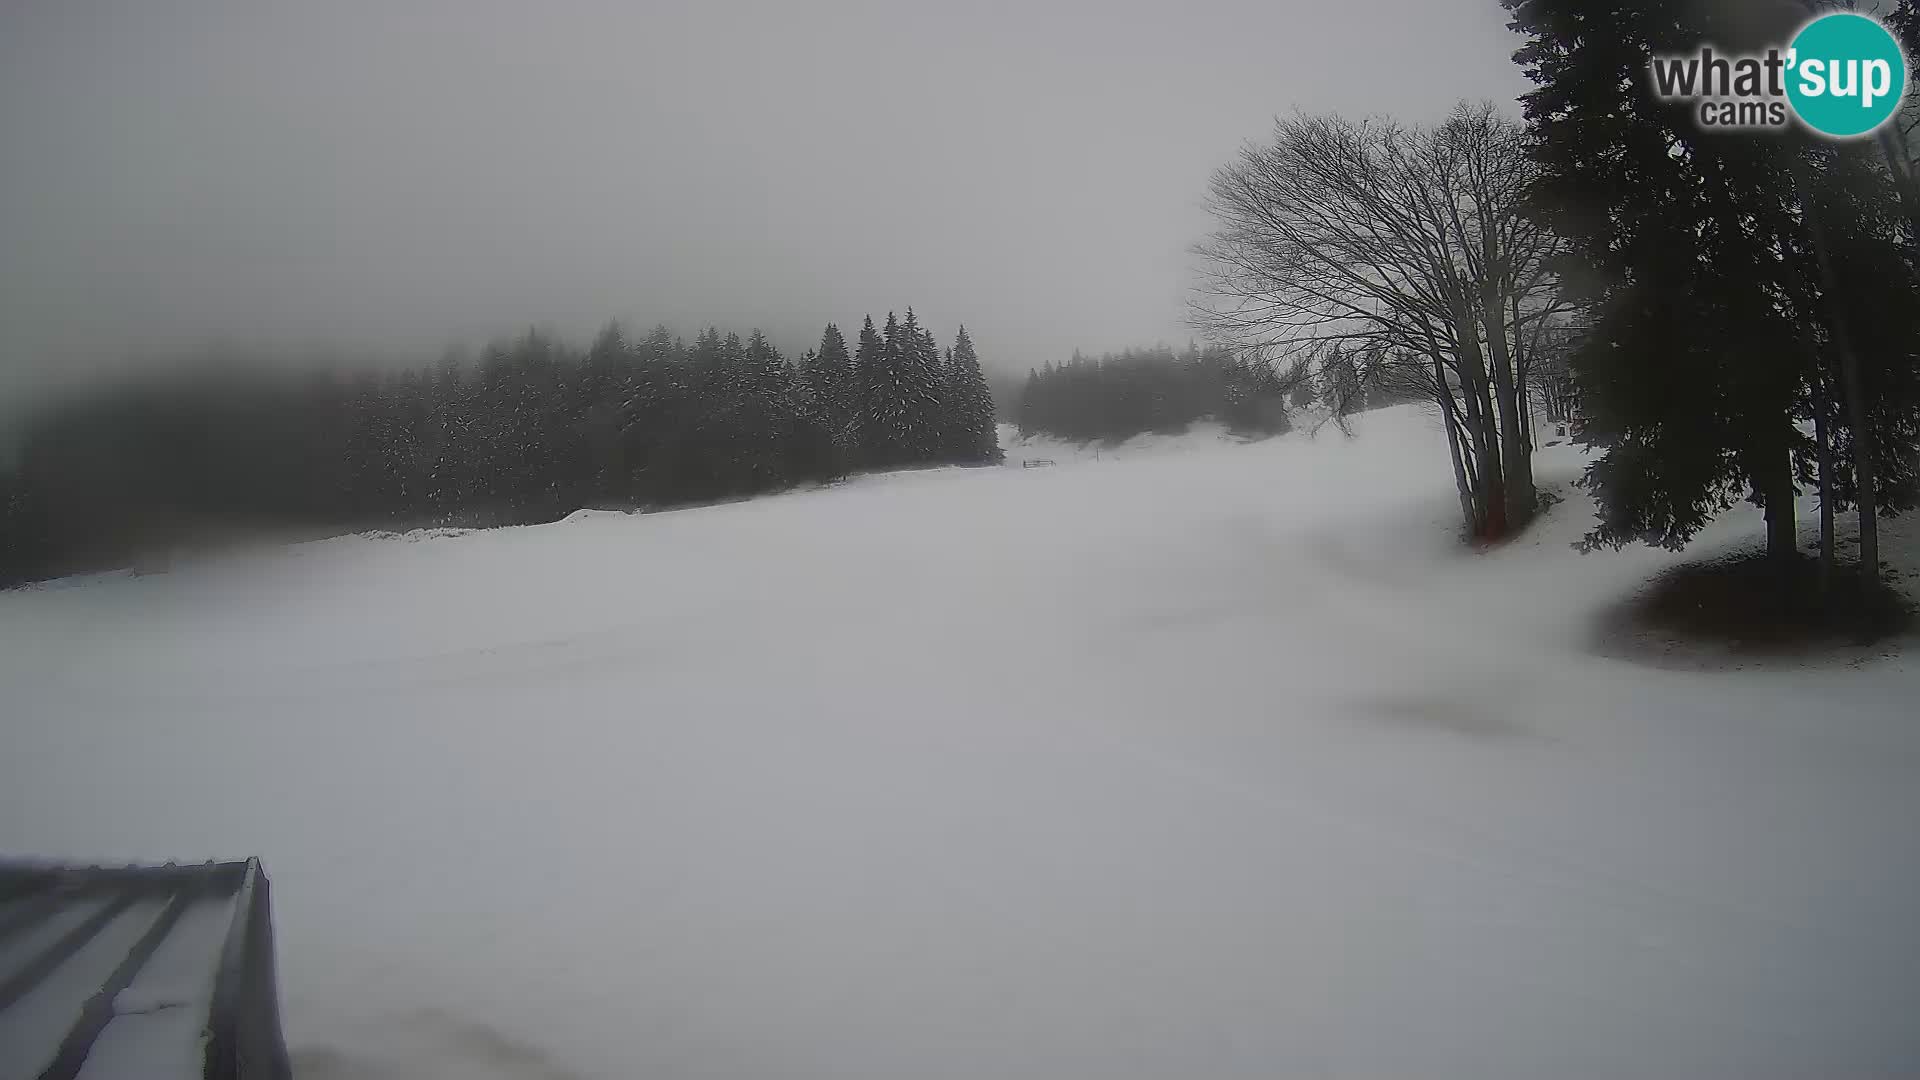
(399, 175)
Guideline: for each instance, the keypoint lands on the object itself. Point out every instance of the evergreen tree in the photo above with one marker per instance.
(829, 381)
(450, 422)
(1655, 373)
(899, 404)
(653, 410)
(729, 440)
(760, 391)
(949, 429)
(869, 361)
(815, 452)
(1028, 420)
(704, 443)
(921, 384)
(602, 389)
(976, 438)
(1709, 264)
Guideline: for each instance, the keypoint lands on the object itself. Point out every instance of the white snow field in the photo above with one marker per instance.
(1221, 763)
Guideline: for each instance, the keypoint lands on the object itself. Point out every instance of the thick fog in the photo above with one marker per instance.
(392, 177)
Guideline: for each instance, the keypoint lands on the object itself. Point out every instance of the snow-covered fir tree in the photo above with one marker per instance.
(827, 376)
(922, 384)
(971, 429)
(899, 400)
(868, 359)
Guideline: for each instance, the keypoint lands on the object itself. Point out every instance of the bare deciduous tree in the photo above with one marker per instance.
(1404, 249)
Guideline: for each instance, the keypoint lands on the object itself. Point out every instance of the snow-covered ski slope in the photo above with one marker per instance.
(1217, 763)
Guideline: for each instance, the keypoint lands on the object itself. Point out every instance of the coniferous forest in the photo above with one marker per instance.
(1119, 395)
(532, 431)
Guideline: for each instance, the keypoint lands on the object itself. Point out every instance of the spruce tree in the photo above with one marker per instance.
(603, 389)
(608, 357)
(1030, 405)
(704, 463)
(653, 417)
(949, 434)
(977, 440)
(869, 443)
(892, 411)
(760, 392)
(816, 453)
(921, 382)
(1739, 285)
(828, 378)
(1692, 372)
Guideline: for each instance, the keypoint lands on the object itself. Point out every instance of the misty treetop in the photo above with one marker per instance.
(532, 431)
(1119, 395)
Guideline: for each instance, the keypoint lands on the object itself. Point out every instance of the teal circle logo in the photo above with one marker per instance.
(1846, 75)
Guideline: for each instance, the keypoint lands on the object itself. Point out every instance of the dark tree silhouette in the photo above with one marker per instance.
(532, 431)
(1119, 395)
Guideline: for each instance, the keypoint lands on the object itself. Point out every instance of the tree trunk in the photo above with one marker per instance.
(1443, 396)
(1864, 474)
(1776, 478)
(1516, 464)
(1480, 425)
(1824, 449)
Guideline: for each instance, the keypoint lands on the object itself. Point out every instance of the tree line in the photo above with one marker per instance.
(532, 431)
(1118, 395)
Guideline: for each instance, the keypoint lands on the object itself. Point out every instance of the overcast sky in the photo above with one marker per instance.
(402, 174)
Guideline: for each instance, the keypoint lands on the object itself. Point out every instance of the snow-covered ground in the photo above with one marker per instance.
(1219, 763)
